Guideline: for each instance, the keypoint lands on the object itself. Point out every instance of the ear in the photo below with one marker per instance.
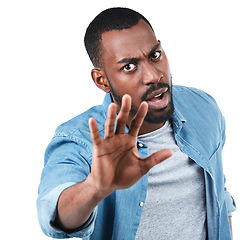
(100, 79)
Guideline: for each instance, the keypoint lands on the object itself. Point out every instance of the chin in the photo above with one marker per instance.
(161, 115)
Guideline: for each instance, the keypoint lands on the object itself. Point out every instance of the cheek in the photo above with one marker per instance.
(122, 83)
(166, 67)
(123, 89)
(126, 84)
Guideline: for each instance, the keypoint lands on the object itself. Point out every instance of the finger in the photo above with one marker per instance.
(154, 159)
(123, 114)
(95, 136)
(110, 122)
(138, 119)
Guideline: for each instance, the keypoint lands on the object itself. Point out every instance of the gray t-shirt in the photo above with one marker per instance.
(175, 207)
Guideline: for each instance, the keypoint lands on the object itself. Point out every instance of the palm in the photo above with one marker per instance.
(118, 159)
(116, 163)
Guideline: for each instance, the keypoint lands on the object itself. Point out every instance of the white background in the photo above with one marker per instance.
(45, 80)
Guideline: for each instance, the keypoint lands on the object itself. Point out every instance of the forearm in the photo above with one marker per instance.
(76, 204)
(116, 164)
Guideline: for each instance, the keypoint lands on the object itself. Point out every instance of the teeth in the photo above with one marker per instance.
(158, 95)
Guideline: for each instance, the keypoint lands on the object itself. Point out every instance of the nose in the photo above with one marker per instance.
(150, 74)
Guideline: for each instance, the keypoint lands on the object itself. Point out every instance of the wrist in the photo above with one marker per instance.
(97, 192)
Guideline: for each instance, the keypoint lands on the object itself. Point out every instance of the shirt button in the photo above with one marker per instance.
(140, 144)
(141, 204)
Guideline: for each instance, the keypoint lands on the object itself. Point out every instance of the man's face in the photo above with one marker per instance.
(135, 64)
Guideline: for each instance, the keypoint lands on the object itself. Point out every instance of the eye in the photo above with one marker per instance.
(156, 56)
(129, 67)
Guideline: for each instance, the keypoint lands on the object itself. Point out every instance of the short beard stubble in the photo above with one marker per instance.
(159, 116)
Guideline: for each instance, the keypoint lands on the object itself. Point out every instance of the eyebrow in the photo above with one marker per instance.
(154, 48)
(134, 59)
(128, 60)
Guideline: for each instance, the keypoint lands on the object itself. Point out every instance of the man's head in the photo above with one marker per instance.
(108, 20)
(128, 59)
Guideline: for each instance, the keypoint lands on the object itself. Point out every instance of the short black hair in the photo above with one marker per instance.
(108, 20)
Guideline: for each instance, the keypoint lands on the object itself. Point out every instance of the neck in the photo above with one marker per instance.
(148, 127)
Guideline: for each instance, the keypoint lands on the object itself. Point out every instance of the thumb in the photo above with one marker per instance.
(154, 159)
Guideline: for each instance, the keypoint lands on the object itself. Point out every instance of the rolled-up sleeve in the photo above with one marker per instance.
(66, 163)
(231, 205)
(47, 209)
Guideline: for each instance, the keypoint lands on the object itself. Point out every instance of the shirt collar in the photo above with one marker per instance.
(177, 120)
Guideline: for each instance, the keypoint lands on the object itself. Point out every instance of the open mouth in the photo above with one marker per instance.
(158, 99)
(157, 95)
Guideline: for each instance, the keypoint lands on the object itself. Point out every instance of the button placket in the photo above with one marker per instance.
(140, 145)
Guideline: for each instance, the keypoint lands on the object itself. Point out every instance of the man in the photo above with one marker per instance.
(147, 163)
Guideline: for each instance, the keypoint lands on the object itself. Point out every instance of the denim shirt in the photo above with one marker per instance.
(199, 130)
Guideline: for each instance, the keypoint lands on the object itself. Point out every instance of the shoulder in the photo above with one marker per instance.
(194, 93)
(79, 124)
(73, 136)
(194, 99)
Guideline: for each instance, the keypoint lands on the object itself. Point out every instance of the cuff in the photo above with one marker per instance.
(231, 205)
(47, 209)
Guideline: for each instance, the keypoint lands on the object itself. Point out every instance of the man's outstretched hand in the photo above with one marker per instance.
(116, 163)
